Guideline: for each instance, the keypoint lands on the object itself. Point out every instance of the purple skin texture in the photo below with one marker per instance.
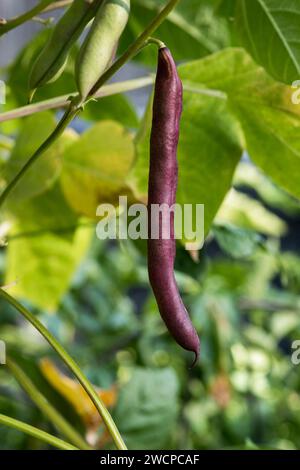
(167, 108)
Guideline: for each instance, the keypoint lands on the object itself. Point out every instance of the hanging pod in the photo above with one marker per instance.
(52, 60)
(167, 108)
(100, 45)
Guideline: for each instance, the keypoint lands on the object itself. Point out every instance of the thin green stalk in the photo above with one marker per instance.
(35, 432)
(58, 4)
(62, 125)
(28, 15)
(135, 46)
(64, 100)
(104, 413)
(43, 21)
(156, 42)
(47, 409)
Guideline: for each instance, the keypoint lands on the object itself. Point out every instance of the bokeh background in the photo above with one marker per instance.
(242, 290)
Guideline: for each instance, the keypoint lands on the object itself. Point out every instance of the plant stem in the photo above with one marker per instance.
(15, 22)
(107, 90)
(56, 5)
(43, 21)
(47, 409)
(35, 432)
(156, 42)
(64, 100)
(67, 359)
(135, 46)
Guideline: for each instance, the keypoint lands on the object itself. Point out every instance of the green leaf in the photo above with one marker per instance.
(45, 249)
(95, 167)
(43, 173)
(264, 108)
(247, 175)
(117, 108)
(147, 408)
(43, 266)
(230, 103)
(237, 242)
(227, 7)
(269, 29)
(290, 271)
(210, 144)
(190, 31)
(243, 211)
(284, 323)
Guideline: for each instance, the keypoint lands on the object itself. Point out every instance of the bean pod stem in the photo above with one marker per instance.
(167, 108)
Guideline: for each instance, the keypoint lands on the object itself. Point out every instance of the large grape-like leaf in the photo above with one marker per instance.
(191, 30)
(269, 29)
(230, 104)
(264, 108)
(209, 145)
(147, 408)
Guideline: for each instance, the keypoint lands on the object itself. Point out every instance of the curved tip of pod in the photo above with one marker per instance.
(196, 357)
(196, 352)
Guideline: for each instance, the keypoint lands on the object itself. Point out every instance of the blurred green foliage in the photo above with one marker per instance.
(245, 386)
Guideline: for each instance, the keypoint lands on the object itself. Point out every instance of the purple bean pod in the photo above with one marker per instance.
(163, 175)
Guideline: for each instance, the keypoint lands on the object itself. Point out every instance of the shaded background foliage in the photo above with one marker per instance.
(238, 155)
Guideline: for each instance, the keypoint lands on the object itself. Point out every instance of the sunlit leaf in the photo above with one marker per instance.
(76, 395)
(270, 31)
(243, 211)
(95, 167)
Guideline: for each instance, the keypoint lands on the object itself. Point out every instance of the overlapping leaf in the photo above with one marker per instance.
(230, 104)
(269, 30)
(96, 166)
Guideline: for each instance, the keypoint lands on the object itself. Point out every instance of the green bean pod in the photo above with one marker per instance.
(52, 60)
(98, 48)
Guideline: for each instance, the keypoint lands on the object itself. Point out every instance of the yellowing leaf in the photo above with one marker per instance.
(95, 167)
(45, 248)
(76, 395)
(41, 267)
